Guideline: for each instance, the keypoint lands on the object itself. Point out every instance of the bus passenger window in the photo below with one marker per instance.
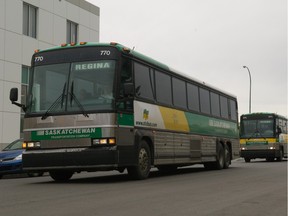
(193, 97)
(204, 101)
(143, 81)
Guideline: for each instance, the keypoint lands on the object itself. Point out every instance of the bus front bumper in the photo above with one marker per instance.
(76, 159)
(263, 153)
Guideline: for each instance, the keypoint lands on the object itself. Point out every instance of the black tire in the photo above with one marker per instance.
(1, 176)
(247, 160)
(270, 159)
(281, 155)
(227, 157)
(61, 175)
(142, 169)
(220, 161)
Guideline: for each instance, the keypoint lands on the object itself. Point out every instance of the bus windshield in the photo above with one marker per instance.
(72, 87)
(257, 128)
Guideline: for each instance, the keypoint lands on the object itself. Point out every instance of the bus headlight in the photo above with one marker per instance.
(243, 148)
(272, 148)
(104, 141)
(28, 145)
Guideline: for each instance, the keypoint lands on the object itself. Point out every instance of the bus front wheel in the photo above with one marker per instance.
(281, 155)
(61, 175)
(143, 166)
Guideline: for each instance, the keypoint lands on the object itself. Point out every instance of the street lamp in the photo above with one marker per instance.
(250, 88)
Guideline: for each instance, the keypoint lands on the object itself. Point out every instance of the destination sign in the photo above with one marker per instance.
(81, 54)
(93, 66)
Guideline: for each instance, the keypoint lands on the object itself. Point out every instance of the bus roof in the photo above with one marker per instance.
(137, 55)
(263, 114)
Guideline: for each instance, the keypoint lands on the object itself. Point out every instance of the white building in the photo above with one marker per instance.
(27, 25)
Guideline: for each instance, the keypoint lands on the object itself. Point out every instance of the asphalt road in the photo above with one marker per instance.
(256, 188)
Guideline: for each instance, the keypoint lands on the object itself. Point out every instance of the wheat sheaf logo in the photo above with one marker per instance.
(145, 114)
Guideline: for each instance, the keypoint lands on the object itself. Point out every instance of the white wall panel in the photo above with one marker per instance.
(29, 45)
(12, 72)
(12, 124)
(13, 16)
(13, 47)
(47, 5)
(2, 42)
(59, 7)
(72, 12)
(45, 32)
(2, 15)
(59, 30)
(1, 70)
(94, 22)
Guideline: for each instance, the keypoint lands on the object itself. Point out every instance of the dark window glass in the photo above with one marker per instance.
(224, 106)
(233, 110)
(179, 93)
(215, 104)
(29, 20)
(204, 101)
(72, 35)
(24, 89)
(163, 88)
(193, 97)
(143, 81)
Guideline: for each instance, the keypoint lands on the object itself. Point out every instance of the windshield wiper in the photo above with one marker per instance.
(59, 100)
(73, 96)
(257, 132)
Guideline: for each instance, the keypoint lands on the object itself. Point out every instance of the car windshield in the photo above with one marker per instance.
(15, 145)
(72, 87)
(257, 128)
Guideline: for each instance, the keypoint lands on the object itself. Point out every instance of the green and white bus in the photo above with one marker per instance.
(103, 106)
(263, 135)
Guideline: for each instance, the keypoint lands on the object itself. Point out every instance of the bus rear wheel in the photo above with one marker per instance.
(220, 160)
(143, 166)
(61, 175)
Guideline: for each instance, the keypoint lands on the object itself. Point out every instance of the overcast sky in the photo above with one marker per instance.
(210, 40)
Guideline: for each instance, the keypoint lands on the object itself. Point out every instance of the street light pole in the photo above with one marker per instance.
(250, 88)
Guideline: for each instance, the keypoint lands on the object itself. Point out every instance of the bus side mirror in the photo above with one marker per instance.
(128, 89)
(14, 98)
(278, 131)
(14, 94)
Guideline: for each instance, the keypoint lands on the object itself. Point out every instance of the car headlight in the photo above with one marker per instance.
(19, 157)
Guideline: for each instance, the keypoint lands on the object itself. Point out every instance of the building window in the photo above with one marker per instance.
(29, 20)
(72, 32)
(24, 89)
